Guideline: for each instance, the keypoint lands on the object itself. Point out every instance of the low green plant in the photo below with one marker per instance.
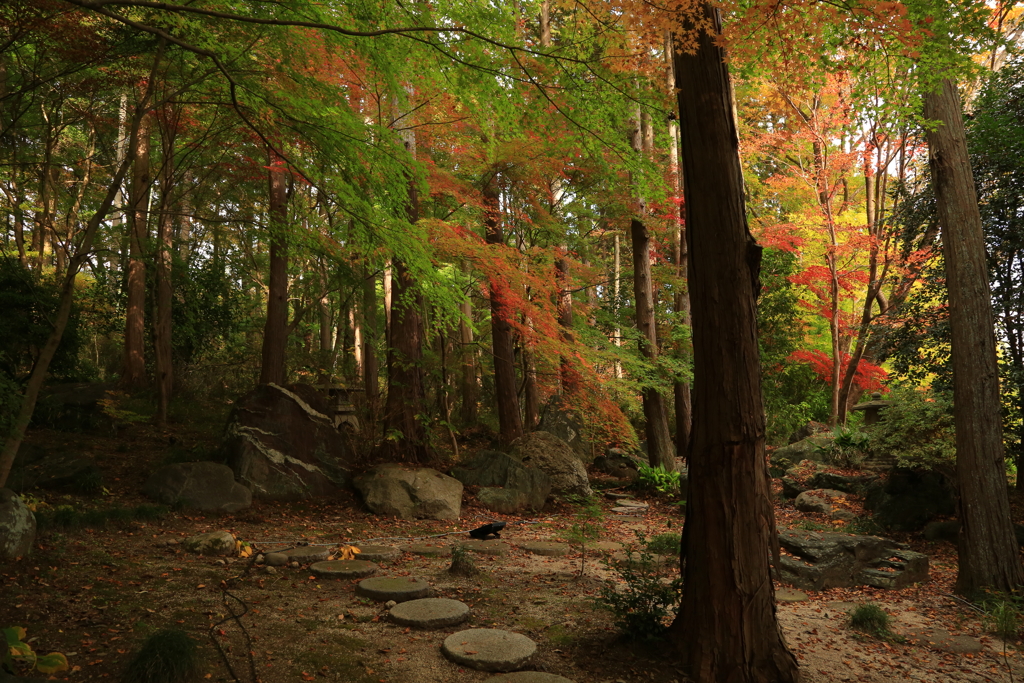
(644, 599)
(586, 527)
(167, 656)
(918, 429)
(1003, 618)
(870, 618)
(462, 562)
(849, 447)
(665, 544)
(657, 479)
(18, 657)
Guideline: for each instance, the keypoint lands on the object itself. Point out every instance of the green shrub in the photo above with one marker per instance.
(917, 429)
(167, 656)
(665, 544)
(645, 599)
(656, 479)
(462, 562)
(871, 619)
(849, 447)
(586, 527)
(1002, 617)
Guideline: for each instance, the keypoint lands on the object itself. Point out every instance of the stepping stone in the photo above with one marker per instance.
(275, 559)
(628, 503)
(489, 649)
(428, 549)
(486, 547)
(616, 496)
(307, 553)
(528, 677)
(548, 548)
(607, 546)
(343, 569)
(790, 595)
(397, 588)
(628, 510)
(943, 641)
(628, 518)
(430, 613)
(377, 553)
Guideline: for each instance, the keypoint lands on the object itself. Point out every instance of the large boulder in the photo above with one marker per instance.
(55, 471)
(567, 425)
(282, 444)
(816, 561)
(840, 482)
(553, 456)
(908, 499)
(617, 464)
(17, 526)
(521, 487)
(207, 486)
(818, 500)
(810, 448)
(420, 493)
(75, 407)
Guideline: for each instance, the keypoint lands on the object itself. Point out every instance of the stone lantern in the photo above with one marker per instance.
(872, 408)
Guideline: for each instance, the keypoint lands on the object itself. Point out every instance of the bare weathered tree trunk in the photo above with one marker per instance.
(164, 295)
(510, 422)
(989, 556)
(470, 392)
(660, 449)
(727, 628)
(275, 330)
(133, 374)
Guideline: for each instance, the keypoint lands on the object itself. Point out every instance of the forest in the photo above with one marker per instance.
(684, 234)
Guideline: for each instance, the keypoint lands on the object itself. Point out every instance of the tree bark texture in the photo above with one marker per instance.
(510, 422)
(989, 555)
(275, 330)
(371, 333)
(727, 630)
(133, 374)
(469, 390)
(164, 295)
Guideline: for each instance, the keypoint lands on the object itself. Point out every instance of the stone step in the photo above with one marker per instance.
(430, 613)
(343, 569)
(399, 589)
(377, 553)
(489, 649)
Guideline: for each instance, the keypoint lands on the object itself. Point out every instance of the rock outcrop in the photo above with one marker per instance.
(508, 485)
(17, 526)
(555, 458)
(420, 493)
(816, 561)
(205, 486)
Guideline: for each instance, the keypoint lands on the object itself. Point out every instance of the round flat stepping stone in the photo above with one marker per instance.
(275, 559)
(307, 553)
(617, 496)
(343, 569)
(489, 649)
(628, 510)
(628, 503)
(943, 641)
(377, 553)
(790, 595)
(397, 588)
(428, 549)
(528, 677)
(607, 546)
(486, 547)
(548, 548)
(628, 518)
(430, 613)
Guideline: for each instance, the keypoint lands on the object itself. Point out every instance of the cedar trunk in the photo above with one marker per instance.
(989, 556)
(727, 628)
(133, 373)
(275, 330)
(510, 423)
(164, 245)
(371, 333)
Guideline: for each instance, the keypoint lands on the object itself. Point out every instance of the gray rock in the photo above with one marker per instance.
(428, 549)
(213, 543)
(528, 677)
(200, 485)
(377, 553)
(17, 526)
(521, 487)
(909, 499)
(816, 561)
(619, 466)
(68, 471)
(420, 493)
(791, 488)
(486, 547)
(553, 456)
(282, 444)
(839, 482)
(567, 424)
(307, 553)
(818, 500)
(275, 559)
(343, 569)
(943, 641)
(943, 531)
(429, 613)
(805, 449)
(489, 649)
(547, 548)
(844, 515)
(399, 589)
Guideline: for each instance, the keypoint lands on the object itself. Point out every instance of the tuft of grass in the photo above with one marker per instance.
(167, 656)
(871, 619)
(1003, 618)
(462, 562)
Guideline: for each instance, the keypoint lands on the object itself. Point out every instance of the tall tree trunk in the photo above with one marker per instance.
(616, 291)
(660, 449)
(275, 330)
(371, 332)
(470, 392)
(133, 374)
(406, 402)
(989, 556)
(510, 422)
(67, 298)
(164, 246)
(727, 628)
